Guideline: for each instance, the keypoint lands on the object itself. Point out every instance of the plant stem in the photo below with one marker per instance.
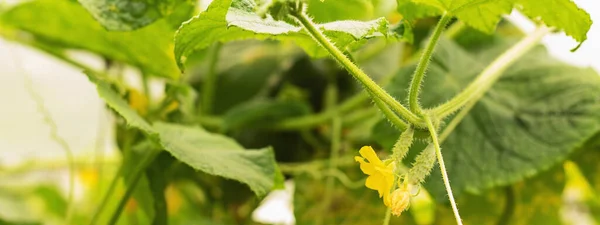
(209, 84)
(136, 176)
(438, 152)
(509, 206)
(320, 118)
(336, 136)
(111, 189)
(388, 216)
(42, 109)
(490, 74)
(369, 84)
(417, 78)
(390, 115)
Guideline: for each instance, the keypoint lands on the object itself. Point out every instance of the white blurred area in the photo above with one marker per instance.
(85, 124)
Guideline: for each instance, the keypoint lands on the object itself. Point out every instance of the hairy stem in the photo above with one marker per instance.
(363, 78)
(490, 74)
(209, 84)
(390, 115)
(417, 78)
(438, 152)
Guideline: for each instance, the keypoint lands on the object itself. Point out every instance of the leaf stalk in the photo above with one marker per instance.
(490, 74)
(438, 153)
(354, 70)
(417, 78)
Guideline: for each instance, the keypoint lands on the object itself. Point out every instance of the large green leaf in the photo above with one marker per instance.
(210, 153)
(539, 111)
(124, 15)
(219, 155)
(485, 14)
(222, 23)
(67, 25)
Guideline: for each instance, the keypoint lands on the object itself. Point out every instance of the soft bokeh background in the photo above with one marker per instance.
(85, 124)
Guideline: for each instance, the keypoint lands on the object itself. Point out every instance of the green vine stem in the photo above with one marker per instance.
(136, 176)
(390, 115)
(39, 101)
(209, 84)
(369, 84)
(336, 136)
(417, 78)
(111, 189)
(490, 74)
(438, 152)
(388, 216)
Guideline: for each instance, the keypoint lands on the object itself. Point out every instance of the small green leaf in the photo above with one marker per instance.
(125, 15)
(539, 112)
(222, 23)
(66, 25)
(219, 155)
(264, 113)
(562, 14)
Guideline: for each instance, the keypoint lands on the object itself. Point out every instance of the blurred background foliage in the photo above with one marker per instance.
(510, 162)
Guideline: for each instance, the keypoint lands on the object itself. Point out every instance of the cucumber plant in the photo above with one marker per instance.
(257, 92)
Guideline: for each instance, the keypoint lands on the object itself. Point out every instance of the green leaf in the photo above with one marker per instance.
(562, 14)
(411, 10)
(219, 155)
(125, 15)
(222, 23)
(211, 153)
(480, 14)
(328, 11)
(539, 112)
(484, 15)
(66, 25)
(114, 101)
(264, 113)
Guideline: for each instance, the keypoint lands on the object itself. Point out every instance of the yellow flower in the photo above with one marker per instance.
(138, 101)
(400, 199)
(381, 176)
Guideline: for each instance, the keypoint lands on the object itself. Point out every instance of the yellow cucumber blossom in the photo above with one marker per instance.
(381, 176)
(399, 200)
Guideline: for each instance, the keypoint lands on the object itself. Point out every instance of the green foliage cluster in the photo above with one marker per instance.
(252, 97)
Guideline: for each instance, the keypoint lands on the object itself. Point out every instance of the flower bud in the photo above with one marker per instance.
(399, 200)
